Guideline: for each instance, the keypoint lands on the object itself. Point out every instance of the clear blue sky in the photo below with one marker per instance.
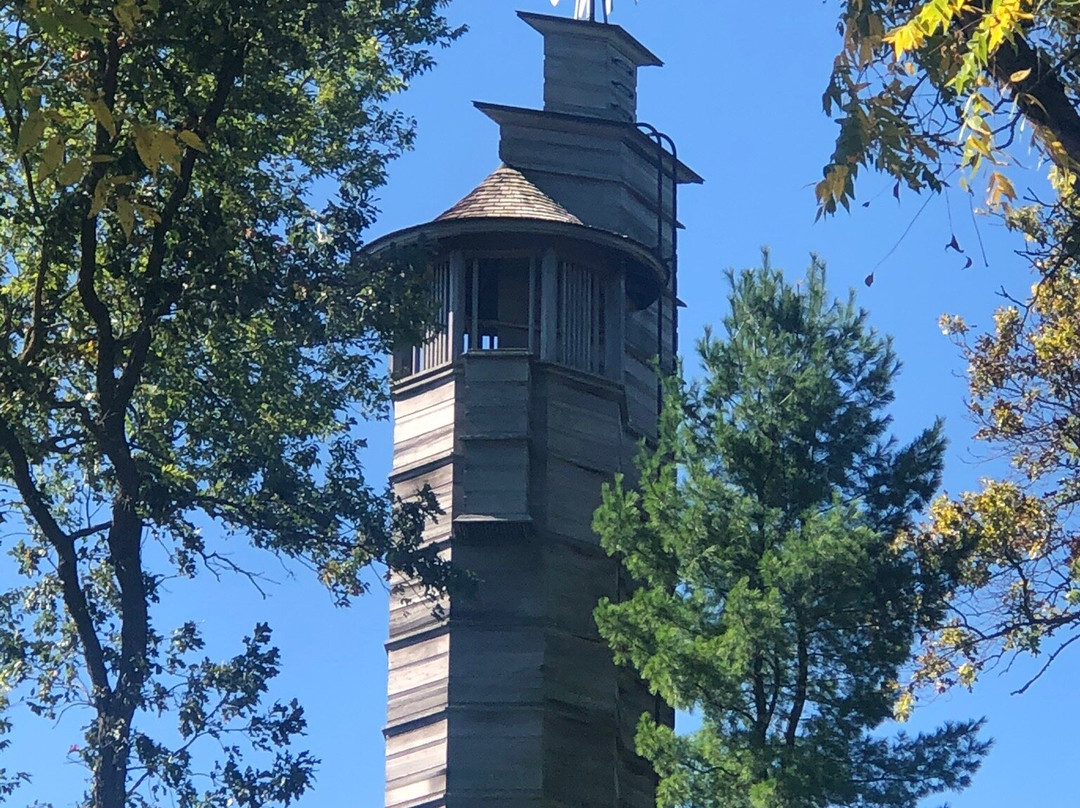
(741, 96)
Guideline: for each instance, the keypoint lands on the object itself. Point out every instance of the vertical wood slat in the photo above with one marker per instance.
(565, 326)
(532, 304)
(474, 328)
(583, 305)
(579, 320)
(444, 311)
(564, 330)
(456, 327)
(579, 324)
(590, 325)
(573, 308)
(549, 305)
(601, 327)
(432, 349)
(615, 327)
(583, 319)
(571, 315)
(436, 349)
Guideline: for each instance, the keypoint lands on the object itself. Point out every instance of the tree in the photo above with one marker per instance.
(185, 342)
(931, 90)
(774, 597)
(1012, 546)
(923, 89)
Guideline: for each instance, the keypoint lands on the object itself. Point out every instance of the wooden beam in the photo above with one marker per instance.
(549, 279)
(615, 311)
(456, 326)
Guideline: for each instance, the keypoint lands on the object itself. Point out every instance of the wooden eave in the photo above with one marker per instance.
(586, 126)
(474, 232)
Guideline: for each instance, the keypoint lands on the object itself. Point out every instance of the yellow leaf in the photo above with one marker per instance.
(821, 191)
(903, 706)
(71, 172)
(125, 214)
(101, 195)
(147, 213)
(103, 115)
(30, 132)
(192, 140)
(168, 149)
(128, 14)
(1020, 75)
(145, 145)
(51, 157)
(1000, 187)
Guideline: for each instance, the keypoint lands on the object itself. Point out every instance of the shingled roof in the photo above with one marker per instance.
(506, 194)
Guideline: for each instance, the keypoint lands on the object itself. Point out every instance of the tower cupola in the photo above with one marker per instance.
(590, 68)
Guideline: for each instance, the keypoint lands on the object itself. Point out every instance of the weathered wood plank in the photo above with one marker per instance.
(421, 789)
(496, 749)
(422, 751)
(497, 667)
(495, 479)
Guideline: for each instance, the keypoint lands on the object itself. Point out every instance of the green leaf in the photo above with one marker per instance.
(51, 157)
(100, 198)
(146, 146)
(168, 150)
(103, 115)
(30, 132)
(125, 214)
(71, 172)
(231, 402)
(192, 140)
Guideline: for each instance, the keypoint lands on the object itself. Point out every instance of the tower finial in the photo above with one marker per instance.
(586, 9)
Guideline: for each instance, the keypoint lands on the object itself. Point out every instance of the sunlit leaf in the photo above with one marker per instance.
(30, 132)
(192, 140)
(51, 157)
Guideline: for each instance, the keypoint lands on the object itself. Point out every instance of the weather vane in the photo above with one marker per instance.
(586, 9)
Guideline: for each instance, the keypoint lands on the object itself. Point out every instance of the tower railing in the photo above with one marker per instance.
(482, 306)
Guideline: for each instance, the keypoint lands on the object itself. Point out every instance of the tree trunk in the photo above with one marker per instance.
(111, 767)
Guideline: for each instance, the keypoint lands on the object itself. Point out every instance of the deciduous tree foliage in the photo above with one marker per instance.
(774, 598)
(962, 91)
(1014, 546)
(184, 342)
(928, 89)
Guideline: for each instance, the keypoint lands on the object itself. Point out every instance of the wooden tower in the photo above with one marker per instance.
(556, 286)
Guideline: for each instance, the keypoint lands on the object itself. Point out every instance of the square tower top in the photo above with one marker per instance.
(590, 68)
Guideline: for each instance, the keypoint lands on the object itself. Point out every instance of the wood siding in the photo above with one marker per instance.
(514, 700)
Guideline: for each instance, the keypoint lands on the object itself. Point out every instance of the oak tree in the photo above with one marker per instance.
(186, 348)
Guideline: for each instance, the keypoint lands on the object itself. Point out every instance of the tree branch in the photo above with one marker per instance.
(801, 677)
(67, 568)
(152, 304)
(1041, 96)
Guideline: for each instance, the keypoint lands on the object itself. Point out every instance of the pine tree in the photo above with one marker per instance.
(774, 597)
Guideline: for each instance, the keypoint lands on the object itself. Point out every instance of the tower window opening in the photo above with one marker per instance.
(499, 294)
